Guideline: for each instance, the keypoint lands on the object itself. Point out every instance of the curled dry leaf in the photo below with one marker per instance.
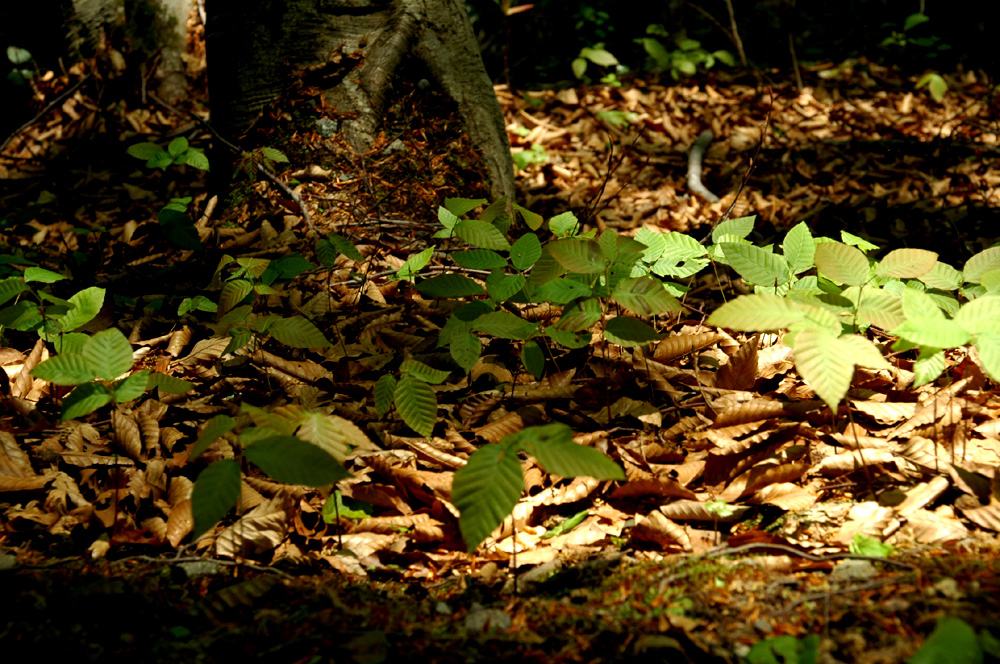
(494, 432)
(787, 496)
(695, 510)
(179, 524)
(677, 345)
(657, 528)
(744, 412)
(931, 528)
(179, 340)
(259, 530)
(126, 436)
(922, 495)
(740, 372)
(886, 412)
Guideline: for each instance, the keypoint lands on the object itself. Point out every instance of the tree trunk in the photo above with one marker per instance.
(250, 46)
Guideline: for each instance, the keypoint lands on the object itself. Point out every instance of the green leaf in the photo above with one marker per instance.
(414, 264)
(569, 339)
(906, 263)
(196, 159)
(561, 291)
(66, 369)
(345, 508)
(86, 305)
(532, 220)
(145, 151)
(953, 641)
(533, 359)
(42, 275)
(881, 308)
(785, 649)
(461, 206)
(859, 242)
(842, 263)
(577, 255)
(553, 447)
(132, 387)
(83, 400)
(599, 56)
(564, 224)
(981, 263)
(416, 404)
(929, 365)
(233, 293)
(385, 387)
(756, 265)
(740, 227)
(799, 248)
(71, 343)
(294, 461)
(933, 332)
(215, 493)
(109, 353)
(485, 491)
(981, 315)
(546, 269)
(449, 285)
(862, 352)
(504, 325)
(274, 154)
(344, 246)
(465, 348)
(216, 427)
(502, 287)
(757, 313)
(862, 545)
(626, 331)
(298, 332)
(168, 384)
(580, 315)
(942, 276)
(12, 287)
(423, 372)
(525, 251)
(479, 259)
(824, 363)
(988, 346)
(177, 146)
(645, 296)
(481, 234)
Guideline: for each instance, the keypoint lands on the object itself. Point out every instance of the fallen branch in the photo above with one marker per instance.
(695, 158)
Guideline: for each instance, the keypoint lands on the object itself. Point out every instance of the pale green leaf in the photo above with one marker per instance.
(988, 346)
(980, 264)
(824, 363)
(842, 263)
(942, 276)
(414, 264)
(485, 491)
(461, 206)
(881, 308)
(756, 265)
(416, 404)
(740, 227)
(532, 220)
(799, 248)
(906, 263)
(933, 332)
(757, 313)
(294, 461)
(862, 352)
(855, 241)
(929, 365)
(233, 293)
(215, 493)
(981, 315)
(42, 275)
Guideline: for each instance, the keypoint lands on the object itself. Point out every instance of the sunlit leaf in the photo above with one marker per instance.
(485, 491)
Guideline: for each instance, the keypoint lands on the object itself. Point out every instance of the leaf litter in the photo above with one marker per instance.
(726, 450)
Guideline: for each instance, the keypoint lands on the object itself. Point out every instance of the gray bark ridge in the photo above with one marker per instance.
(247, 49)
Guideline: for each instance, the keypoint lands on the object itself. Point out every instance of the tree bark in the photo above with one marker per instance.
(250, 47)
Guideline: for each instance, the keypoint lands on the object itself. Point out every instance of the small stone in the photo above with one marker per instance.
(326, 127)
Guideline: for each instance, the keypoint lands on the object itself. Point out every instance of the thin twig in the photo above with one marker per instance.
(48, 107)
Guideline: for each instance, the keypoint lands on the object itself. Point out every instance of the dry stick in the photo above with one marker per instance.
(48, 107)
(795, 60)
(736, 33)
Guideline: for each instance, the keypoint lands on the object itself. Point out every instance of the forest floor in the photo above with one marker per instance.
(694, 559)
